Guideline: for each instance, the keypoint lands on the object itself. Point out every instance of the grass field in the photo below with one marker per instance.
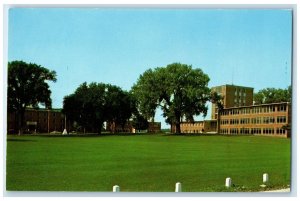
(145, 163)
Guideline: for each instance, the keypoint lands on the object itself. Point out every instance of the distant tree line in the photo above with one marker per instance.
(273, 95)
(179, 90)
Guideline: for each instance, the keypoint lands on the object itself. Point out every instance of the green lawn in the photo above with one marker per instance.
(140, 163)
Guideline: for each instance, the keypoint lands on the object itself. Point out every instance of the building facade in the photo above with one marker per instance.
(233, 96)
(37, 121)
(266, 119)
(240, 116)
(207, 126)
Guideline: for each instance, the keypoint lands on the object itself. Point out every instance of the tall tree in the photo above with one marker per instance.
(27, 86)
(86, 106)
(178, 89)
(273, 95)
(119, 106)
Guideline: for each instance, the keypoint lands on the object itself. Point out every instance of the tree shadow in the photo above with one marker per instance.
(20, 140)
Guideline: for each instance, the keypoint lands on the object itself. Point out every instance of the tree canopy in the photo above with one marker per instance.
(178, 89)
(91, 105)
(27, 86)
(273, 95)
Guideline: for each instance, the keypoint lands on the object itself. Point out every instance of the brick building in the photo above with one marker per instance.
(233, 96)
(265, 119)
(37, 121)
(207, 126)
(47, 121)
(240, 116)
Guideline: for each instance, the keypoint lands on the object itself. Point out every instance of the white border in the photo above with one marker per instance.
(149, 4)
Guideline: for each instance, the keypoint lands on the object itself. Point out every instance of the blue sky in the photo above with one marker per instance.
(243, 47)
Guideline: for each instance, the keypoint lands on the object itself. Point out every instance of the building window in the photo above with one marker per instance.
(281, 108)
(280, 131)
(245, 131)
(281, 119)
(255, 131)
(268, 131)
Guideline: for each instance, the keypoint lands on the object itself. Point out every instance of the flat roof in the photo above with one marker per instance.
(199, 121)
(232, 85)
(260, 105)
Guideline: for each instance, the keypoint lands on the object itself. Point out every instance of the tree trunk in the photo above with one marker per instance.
(177, 128)
(177, 123)
(99, 128)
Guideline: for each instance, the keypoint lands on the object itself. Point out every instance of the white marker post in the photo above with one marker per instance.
(265, 178)
(178, 187)
(116, 188)
(65, 132)
(228, 182)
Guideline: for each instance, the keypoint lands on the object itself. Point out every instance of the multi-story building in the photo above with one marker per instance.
(265, 119)
(240, 116)
(233, 96)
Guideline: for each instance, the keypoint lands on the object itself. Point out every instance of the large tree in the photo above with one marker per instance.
(91, 105)
(27, 86)
(273, 95)
(178, 89)
(119, 107)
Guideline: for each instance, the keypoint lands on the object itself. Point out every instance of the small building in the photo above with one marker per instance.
(206, 126)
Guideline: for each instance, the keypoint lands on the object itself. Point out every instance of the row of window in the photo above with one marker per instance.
(255, 110)
(192, 124)
(268, 131)
(192, 131)
(256, 120)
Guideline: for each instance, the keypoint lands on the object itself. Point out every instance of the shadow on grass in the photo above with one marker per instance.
(190, 134)
(95, 135)
(20, 140)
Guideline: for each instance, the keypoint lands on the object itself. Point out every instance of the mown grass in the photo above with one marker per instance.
(145, 163)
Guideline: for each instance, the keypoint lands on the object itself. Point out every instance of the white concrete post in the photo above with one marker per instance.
(228, 182)
(178, 187)
(116, 188)
(265, 178)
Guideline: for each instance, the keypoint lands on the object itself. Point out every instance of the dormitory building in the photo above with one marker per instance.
(240, 116)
